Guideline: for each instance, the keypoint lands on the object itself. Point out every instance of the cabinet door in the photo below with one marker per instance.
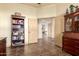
(32, 31)
(76, 23)
(68, 24)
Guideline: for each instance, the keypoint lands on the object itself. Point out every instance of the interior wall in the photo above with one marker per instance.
(33, 30)
(6, 10)
(46, 11)
(59, 28)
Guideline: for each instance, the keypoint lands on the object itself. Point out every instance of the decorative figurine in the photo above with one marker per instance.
(77, 9)
(17, 13)
(67, 12)
(71, 8)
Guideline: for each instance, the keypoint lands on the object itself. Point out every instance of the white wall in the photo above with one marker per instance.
(32, 30)
(6, 10)
(46, 11)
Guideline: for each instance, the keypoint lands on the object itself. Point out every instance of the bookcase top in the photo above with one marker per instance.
(19, 17)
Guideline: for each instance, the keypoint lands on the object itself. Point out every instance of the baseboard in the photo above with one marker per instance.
(58, 46)
(47, 37)
(32, 43)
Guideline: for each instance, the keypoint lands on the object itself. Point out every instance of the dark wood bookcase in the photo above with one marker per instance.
(71, 33)
(17, 30)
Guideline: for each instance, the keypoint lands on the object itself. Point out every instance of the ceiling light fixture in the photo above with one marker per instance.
(39, 3)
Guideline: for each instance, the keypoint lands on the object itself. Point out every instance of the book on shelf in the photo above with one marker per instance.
(16, 26)
(21, 37)
(15, 38)
(15, 32)
(21, 22)
(18, 21)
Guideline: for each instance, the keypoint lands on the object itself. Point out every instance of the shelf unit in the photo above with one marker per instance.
(17, 30)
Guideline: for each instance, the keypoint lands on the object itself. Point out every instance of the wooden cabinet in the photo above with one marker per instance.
(3, 47)
(71, 33)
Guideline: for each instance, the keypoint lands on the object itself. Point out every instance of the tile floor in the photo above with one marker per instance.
(44, 47)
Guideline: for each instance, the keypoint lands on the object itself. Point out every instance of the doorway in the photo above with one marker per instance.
(46, 28)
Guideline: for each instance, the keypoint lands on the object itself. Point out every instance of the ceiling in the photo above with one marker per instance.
(39, 4)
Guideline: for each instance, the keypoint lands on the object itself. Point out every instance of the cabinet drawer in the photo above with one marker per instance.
(76, 39)
(77, 47)
(77, 51)
(71, 40)
(69, 44)
(69, 47)
(76, 43)
(1, 50)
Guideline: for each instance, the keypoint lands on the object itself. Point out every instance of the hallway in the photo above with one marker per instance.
(44, 47)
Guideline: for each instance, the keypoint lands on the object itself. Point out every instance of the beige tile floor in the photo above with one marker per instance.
(44, 47)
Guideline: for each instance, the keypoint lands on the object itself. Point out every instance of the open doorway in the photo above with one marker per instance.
(46, 28)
